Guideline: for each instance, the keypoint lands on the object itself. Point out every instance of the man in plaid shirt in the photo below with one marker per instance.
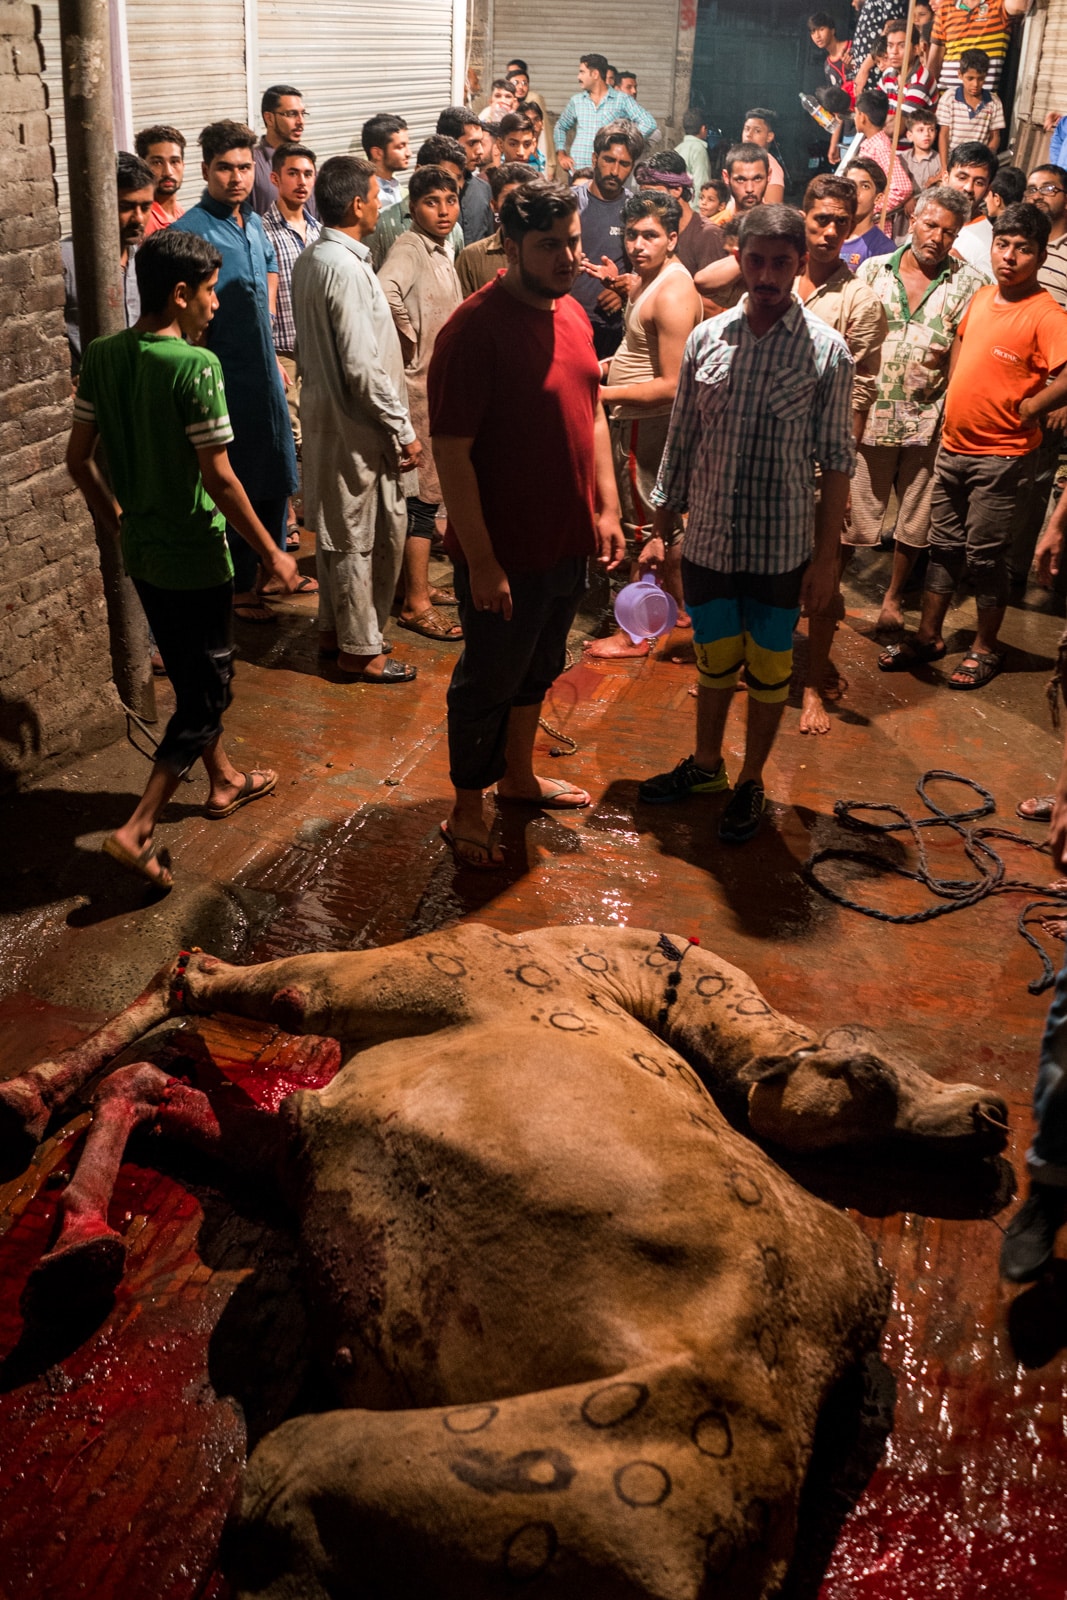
(290, 226)
(592, 108)
(764, 395)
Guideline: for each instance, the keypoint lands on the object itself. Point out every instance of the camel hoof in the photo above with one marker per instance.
(73, 1275)
(23, 1120)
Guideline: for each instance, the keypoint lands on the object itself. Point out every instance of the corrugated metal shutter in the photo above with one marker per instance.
(550, 36)
(1050, 90)
(351, 60)
(53, 79)
(185, 69)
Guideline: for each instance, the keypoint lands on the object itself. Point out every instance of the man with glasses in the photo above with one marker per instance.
(284, 116)
(1047, 189)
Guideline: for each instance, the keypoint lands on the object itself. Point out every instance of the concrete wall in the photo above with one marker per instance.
(56, 693)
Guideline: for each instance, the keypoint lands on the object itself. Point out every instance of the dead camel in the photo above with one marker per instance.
(579, 1328)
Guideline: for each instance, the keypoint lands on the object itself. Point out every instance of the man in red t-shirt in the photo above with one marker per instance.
(525, 509)
(1011, 342)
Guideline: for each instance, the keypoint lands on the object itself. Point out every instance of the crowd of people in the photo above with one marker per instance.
(717, 387)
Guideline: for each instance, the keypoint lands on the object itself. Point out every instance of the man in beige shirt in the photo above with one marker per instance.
(480, 262)
(827, 288)
(420, 285)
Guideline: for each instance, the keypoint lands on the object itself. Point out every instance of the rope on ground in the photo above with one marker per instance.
(134, 721)
(956, 893)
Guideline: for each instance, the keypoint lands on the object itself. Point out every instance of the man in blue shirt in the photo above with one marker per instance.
(592, 109)
(262, 452)
(600, 207)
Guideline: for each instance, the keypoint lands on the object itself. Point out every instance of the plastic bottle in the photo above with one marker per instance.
(818, 112)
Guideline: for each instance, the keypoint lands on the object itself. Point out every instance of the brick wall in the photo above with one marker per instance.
(56, 693)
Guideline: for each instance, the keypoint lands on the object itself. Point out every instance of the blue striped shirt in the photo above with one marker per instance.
(751, 419)
(582, 113)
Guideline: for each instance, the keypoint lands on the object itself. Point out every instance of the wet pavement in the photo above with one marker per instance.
(122, 1436)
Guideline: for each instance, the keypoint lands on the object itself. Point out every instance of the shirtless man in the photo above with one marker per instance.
(827, 288)
(641, 378)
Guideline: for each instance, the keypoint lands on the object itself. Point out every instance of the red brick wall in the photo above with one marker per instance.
(56, 693)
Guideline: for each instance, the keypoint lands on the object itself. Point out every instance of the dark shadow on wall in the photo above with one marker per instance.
(20, 740)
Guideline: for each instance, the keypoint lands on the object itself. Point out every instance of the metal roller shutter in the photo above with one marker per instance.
(1050, 88)
(552, 35)
(351, 60)
(182, 74)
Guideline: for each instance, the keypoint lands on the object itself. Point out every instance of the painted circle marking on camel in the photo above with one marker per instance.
(768, 1348)
(448, 966)
(606, 1005)
(701, 1122)
(753, 1006)
(712, 1434)
(774, 1267)
(720, 1548)
(657, 959)
(593, 961)
(533, 976)
(614, 1403)
(567, 1022)
(642, 1484)
(688, 1076)
(710, 985)
(529, 1550)
(841, 1039)
(746, 1189)
(469, 1419)
(647, 1064)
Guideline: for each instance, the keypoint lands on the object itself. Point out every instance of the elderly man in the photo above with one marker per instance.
(358, 437)
(924, 290)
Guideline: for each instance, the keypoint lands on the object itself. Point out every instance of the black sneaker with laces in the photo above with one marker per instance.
(1030, 1236)
(685, 779)
(744, 813)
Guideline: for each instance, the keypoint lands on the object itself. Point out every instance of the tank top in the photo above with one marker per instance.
(632, 362)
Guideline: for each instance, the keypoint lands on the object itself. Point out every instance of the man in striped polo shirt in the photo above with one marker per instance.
(764, 394)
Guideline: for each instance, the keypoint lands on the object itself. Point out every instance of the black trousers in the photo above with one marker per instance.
(193, 630)
(506, 664)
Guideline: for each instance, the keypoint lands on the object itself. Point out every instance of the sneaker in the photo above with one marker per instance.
(742, 816)
(1031, 1234)
(686, 779)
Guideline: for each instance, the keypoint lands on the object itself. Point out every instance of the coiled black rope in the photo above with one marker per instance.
(954, 893)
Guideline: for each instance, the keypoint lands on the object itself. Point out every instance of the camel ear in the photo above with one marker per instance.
(761, 1069)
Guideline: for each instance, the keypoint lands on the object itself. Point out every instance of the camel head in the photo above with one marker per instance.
(849, 1088)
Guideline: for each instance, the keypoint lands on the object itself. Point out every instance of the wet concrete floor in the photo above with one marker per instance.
(122, 1438)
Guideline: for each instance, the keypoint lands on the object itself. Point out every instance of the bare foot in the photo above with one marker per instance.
(890, 618)
(813, 716)
(684, 620)
(834, 684)
(1055, 926)
(617, 646)
(134, 849)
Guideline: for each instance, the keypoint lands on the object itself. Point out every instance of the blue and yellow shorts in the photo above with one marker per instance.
(743, 619)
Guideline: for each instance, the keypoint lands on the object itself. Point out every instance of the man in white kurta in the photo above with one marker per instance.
(358, 439)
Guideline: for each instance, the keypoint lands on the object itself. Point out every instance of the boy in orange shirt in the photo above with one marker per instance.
(1011, 342)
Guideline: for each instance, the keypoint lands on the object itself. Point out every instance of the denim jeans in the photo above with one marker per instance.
(1047, 1156)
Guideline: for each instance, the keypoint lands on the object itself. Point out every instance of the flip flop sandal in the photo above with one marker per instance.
(986, 666)
(243, 607)
(250, 790)
(565, 797)
(138, 861)
(392, 672)
(910, 653)
(1039, 809)
(455, 840)
(433, 626)
(292, 537)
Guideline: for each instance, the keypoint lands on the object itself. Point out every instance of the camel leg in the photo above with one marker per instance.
(645, 1486)
(27, 1102)
(88, 1257)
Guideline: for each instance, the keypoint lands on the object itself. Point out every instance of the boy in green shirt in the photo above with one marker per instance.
(158, 405)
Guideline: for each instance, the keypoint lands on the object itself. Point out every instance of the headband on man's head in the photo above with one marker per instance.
(669, 180)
